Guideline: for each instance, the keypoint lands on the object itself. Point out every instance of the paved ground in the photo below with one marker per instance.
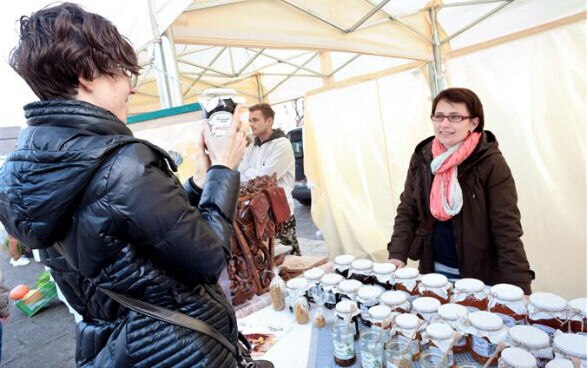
(47, 339)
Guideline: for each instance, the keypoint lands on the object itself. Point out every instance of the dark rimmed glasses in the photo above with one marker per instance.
(453, 117)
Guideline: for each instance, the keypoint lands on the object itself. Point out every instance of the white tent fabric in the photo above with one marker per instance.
(533, 91)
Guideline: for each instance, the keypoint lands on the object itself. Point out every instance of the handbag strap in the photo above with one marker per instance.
(173, 317)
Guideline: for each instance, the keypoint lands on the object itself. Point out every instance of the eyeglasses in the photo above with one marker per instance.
(133, 78)
(453, 118)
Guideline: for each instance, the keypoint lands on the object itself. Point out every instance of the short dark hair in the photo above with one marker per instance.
(266, 110)
(466, 96)
(58, 44)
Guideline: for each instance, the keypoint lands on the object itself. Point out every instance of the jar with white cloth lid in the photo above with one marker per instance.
(471, 293)
(507, 301)
(368, 296)
(435, 286)
(361, 270)
(218, 107)
(560, 363)
(380, 316)
(577, 315)
(313, 276)
(486, 331)
(342, 264)
(548, 312)
(405, 279)
(295, 288)
(348, 311)
(533, 340)
(384, 274)
(516, 358)
(406, 327)
(570, 346)
(438, 337)
(397, 301)
(348, 288)
(425, 307)
(450, 314)
(329, 284)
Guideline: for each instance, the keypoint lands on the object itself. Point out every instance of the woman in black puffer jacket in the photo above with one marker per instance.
(105, 209)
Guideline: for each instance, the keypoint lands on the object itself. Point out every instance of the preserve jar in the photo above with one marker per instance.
(406, 327)
(533, 340)
(507, 301)
(570, 346)
(342, 264)
(548, 312)
(368, 296)
(384, 274)
(438, 337)
(348, 288)
(425, 307)
(313, 276)
(405, 279)
(348, 311)
(397, 301)
(516, 358)
(218, 106)
(450, 314)
(343, 346)
(361, 270)
(398, 352)
(295, 288)
(559, 363)
(436, 286)
(471, 293)
(329, 284)
(577, 315)
(486, 332)
(380, 316)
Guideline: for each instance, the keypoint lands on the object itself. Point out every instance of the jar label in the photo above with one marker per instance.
(507, 320)
(370, 360)
(343, 350)
(548, 330)
(220, 122)
(463, 341)
(483, 347)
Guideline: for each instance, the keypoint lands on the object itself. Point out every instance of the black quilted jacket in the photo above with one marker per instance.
(106, 211)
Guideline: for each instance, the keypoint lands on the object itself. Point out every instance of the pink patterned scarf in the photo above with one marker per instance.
(446, 198)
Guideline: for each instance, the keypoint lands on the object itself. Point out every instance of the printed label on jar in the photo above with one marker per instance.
(370, 360)
(219, 123)
(483, 347)
(461, 342)
(548, 330)
(343, 351)
(330, 298)
(507, 320)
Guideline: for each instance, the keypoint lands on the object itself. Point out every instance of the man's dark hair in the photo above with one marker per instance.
(466, 96)
(266, 110)
(59, 44)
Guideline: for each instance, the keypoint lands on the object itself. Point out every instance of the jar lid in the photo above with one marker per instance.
(518, 358)
(579, 304)
(426, 304)
(331, 279)
(559, 363)
(346, 307)
(384, 268)
(548, 301)
(439, 331)
(350, 285)
(394, 297)
(314, 273)
(361, 264)
(469, 285)
(406, 273)
(218, 92)
(452, 311)
(370, 292)
(572, 344)
(529, 336)
(344, 259)
(407, 321)
(296, 283)
(434, 280)
(380, 311)
(485, 321)
(507, 292)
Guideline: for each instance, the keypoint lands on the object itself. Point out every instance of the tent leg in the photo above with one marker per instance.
(436, 68)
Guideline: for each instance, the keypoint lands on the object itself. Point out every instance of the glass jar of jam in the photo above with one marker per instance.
(405, 279)
(570, 346)
(380, 316)
(384, 274)
(559, 363)
(516, 358)
(329, 283)
(368, 296)
(507, 302)
(425, 307)
(342, 264)
(343, 346)
(451, 314)
(361, 270)
(547, 311)
(435, 286)
(438, 337)
(487, 332)
(397, 301)
(218, 106)
(348, 289)
(406, 327)
(532, 340)
(313, 276)
(577, 315)
(471, 293)
(295, 288)
(348, 311)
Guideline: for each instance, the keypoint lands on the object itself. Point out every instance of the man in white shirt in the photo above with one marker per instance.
(271, 153)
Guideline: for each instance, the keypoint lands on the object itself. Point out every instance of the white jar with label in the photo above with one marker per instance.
(425, 307)
(368, 296)
(218, 106)
(516, 358)
(405, 279)
(361, 270)
(436, 286)
(533, 340)
(342, 264)
(348, 289)
(384, 274)
(471, 293)
(329, 284)
(438, 337)
(570, 346)
(486, 331)
(380, 316)
(397, 301)
(406, 327)
(547, 311)
(451, 314)
(507, 301)
(577, 315)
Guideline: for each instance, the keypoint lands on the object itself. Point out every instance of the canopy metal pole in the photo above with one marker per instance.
(259, 89)
(436, 74)
(162, 86)
(171, 67)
